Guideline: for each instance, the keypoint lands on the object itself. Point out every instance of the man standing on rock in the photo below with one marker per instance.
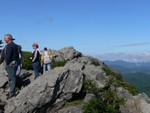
(11, 57)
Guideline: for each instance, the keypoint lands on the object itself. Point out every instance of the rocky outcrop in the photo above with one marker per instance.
(137, 104)
(54, 89)
(3, 76)
(65, 54)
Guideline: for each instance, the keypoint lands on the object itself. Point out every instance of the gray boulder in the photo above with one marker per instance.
(95, 73)
(65, 54)
(3, 76)
(123, 93)
(69, 53)
(43, 93)
(88, 97)
(136, 104)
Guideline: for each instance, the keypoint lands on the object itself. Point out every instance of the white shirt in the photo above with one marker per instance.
(47, 57)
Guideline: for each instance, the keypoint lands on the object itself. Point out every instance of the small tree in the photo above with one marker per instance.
(1, 42)
(27, 64)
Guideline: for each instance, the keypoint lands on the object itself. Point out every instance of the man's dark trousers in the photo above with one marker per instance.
(11, 70)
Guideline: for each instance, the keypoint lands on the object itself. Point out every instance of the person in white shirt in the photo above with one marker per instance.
(46, 60)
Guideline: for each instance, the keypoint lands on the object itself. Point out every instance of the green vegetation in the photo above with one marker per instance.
(27, 64)
(113, 73)
(96, 105)
(95, 62)
(133, 90)
(105, 100)
(90, 87)
(119, 80)
(92, 106)
(1, 42)
(58, 64)
(73, 103)
(140, 80)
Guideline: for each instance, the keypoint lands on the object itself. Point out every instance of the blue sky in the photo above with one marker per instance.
(91, 26)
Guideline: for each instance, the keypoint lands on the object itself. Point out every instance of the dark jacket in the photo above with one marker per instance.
(36, 56)
(10, 53)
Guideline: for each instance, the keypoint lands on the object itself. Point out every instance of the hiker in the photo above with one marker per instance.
(36, 59)
(46, 60)
(20, 60)
(11, 57)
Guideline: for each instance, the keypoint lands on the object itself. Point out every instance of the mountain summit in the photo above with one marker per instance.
(76, 84)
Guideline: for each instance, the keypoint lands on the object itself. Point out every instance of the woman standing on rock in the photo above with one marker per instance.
(46, 59)
(36, 59)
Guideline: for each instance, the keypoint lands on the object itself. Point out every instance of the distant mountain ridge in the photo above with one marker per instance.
(126, 67)
(137, 74)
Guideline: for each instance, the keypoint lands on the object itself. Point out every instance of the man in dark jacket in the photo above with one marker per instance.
(10, 56)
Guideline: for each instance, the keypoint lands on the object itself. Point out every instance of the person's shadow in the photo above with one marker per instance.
(23, 80)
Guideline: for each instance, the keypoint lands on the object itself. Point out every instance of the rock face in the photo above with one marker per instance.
(3, 77)
(65, 54)
(51, 91)
(137, 104)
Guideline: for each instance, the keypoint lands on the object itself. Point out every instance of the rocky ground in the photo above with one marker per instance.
(54, 91)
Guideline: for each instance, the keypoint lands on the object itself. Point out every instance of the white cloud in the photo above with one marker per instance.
(134, 44)
(138, 57)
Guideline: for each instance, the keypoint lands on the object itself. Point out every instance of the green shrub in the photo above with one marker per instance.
(1, 61)
(90, 87)
(95, 62)
(111, 72)
(105, 101)
(73, 103)
(92, 106)
(58, 64)
(27, 64)
(1, 42)
(128, 87)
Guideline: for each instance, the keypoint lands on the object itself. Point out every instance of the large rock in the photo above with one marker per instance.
(3, 80)
(65, 54)
(43, 93)
(123, 93)
(3, 76)
(96, 74)
(26, 77)
(88, 60)
(92, 69)
(137, 104)
(88, 97)
(69, 53)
